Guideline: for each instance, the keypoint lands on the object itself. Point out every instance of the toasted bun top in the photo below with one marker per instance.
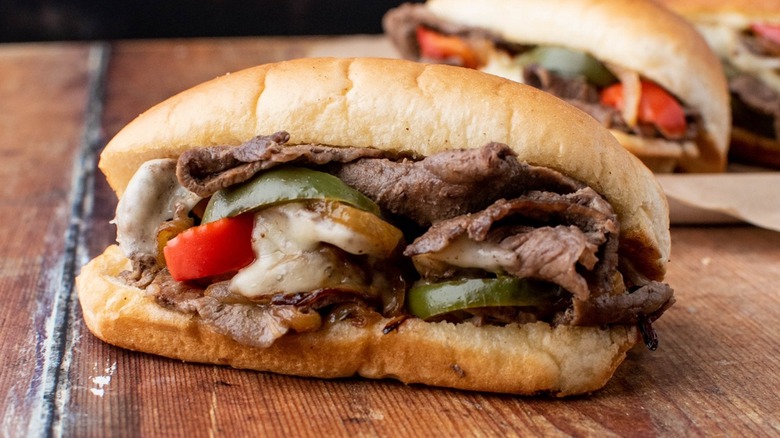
(737, 14)
(638, 35)
(403, 106)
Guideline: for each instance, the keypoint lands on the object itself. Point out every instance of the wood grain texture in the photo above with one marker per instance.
(715, 372)
(43, 94)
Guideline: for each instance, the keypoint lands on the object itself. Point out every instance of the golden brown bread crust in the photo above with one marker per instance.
(747, 147)
(515, 359)
(401, 105)
(740, 13)
(637, 35)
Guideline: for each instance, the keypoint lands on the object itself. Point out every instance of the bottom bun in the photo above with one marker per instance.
(666, 156)
(519, 359)
(750, 148)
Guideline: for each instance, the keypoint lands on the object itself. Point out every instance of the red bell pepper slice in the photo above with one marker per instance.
(441, 47)
(768, 31)
(211, 249)
(656, 106)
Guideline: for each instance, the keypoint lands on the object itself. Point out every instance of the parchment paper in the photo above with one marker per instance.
(724, 198)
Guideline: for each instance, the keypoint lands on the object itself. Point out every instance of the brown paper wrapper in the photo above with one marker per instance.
(753, 198)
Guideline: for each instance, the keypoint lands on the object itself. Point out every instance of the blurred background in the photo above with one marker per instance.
(64, 20)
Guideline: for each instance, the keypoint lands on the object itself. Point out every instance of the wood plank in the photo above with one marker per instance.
(714, 372)
(43, 95)
(144, 73)
(716, 369)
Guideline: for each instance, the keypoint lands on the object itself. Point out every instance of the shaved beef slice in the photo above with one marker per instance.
(759, 45)
(756, 106)
(204, 171)
(248, 322)
(238, 318)
(540, 235)
(576, 88)
(253, 325)
(649, 301)
(451, 183)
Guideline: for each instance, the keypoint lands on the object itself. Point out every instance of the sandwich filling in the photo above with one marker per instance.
(264, 239)
(751, 60)
(621, 99)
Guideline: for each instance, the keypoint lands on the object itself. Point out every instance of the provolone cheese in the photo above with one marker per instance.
(150, 199)
(288, 240)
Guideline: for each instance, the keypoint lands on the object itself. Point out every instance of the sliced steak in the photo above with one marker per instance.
(542, 235)
(756, 106)
(255, 325)
(206, 170)
(648, 301)
(759, 45)
(451, 183)
(577, 89)
(754, 92)
(247, 322)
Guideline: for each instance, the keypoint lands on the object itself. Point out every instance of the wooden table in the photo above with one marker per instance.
(716, 372)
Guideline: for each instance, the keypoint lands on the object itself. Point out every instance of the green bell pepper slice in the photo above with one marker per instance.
(569, 63)
(429, 300)
(283, 184)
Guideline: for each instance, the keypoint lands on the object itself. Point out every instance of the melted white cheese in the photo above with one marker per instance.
(499, 63)
(286, 240)
(150, 199)
(725, 41)
(466, 253)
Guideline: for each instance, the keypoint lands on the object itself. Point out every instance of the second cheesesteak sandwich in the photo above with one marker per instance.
(642, 71)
